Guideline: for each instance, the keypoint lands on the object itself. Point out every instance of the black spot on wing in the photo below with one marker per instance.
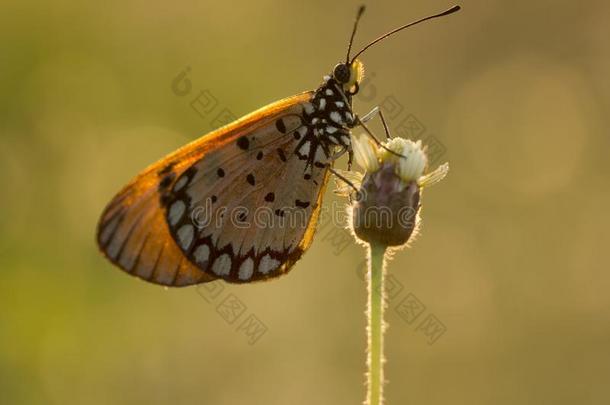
(167, 168)
(166, 181)
(301, 204)
(165, 199)
(190, 172)
(280, 125)
(281, 154)
(243, 142)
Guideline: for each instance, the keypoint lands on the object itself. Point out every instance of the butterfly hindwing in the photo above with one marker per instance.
(134, 232)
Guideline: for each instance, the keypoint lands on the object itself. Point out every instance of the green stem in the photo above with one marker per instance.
(376, 305)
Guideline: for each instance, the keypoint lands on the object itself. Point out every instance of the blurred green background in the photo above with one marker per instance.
(511, 266)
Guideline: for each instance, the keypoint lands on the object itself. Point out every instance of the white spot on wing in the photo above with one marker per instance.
(320, 156)
(335, 116)
(339, 104)
(331, 129)
(222, 265)
(202, 254)
(308, 108)
(185, 236)
(246, 269)
(329, 92)
(304, 150)
(322, 103)
(176, 211)
(181, 183)
(268, 264)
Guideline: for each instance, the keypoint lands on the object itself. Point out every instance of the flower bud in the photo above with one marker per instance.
(386, 213)
(387, 209)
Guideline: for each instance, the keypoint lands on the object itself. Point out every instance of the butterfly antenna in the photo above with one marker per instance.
(394, 31)
(351, 39)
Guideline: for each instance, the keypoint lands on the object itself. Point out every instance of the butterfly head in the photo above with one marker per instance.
(349, 75)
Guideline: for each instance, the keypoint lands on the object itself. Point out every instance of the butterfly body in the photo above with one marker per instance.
(328, 120)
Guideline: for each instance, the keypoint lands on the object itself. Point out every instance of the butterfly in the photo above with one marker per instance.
(241, 203)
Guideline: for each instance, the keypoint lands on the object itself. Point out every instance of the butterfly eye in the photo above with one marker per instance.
(341, 73)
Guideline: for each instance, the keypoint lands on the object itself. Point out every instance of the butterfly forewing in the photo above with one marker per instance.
(243, 212)
(143, 231)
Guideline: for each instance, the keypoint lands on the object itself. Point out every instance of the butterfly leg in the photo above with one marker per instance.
(385, 125)
(371, 114)
(343, 178)
(360, 122)
(348, 182)
(337, 155)
(350, 154)
(350, 157)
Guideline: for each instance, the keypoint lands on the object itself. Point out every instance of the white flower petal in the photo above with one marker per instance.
(412, 165)
(365, 153)
(434, 177)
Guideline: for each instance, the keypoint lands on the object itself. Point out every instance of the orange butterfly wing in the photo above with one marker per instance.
(133, 232)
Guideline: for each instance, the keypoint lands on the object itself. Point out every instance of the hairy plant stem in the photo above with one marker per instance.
(376, 327)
